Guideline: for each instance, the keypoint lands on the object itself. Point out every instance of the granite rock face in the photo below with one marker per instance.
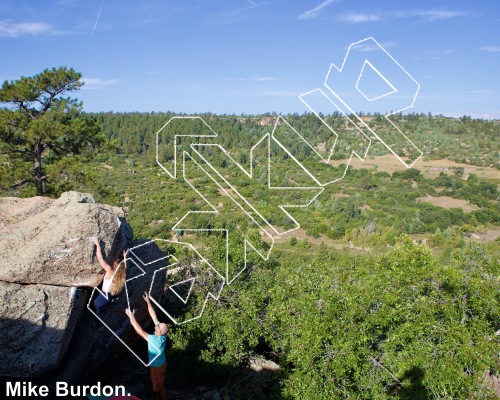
(44, 241)
(48, 278)
(36, 326)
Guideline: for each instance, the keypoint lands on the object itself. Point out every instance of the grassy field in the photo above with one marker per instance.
(449, 202)
(431, 168)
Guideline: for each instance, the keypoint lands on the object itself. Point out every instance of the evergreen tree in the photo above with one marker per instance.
(40, 123)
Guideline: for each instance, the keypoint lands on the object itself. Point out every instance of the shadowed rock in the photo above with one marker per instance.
(93, 343)
(36, 326)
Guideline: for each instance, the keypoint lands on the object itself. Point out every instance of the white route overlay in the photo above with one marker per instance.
(99, 291)
(172, 262)
(348, 78)
(400, 82)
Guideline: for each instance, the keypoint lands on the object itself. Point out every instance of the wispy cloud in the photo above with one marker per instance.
(314, 12)
(98, 16)
(25, 28)
(437, 15)
(266, 78)
(97, 83)
(357, 18)
(429, 15)
(490, 49)
(449, 51)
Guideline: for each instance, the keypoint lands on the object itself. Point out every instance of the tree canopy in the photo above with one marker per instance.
(40, 125)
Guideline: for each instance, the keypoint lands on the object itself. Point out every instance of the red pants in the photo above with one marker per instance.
(157, 379)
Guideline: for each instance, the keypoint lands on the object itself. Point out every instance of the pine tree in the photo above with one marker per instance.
(39, 121)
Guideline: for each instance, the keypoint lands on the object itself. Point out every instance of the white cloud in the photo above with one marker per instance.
(491, 49)
(98, 17)
(429, 15)
(357, 18)
(25, 28)
(96, 83)
(436, 15)
(265, 78)
(440, 51)
(314, 12)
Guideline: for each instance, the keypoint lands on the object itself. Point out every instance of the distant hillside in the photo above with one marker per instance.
(463, 140)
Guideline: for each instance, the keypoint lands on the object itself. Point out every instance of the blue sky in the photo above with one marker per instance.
(252, 56)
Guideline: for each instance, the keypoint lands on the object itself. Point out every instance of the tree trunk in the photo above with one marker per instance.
(38, 169)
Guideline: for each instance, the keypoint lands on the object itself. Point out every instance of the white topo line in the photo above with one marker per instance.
(339, 104)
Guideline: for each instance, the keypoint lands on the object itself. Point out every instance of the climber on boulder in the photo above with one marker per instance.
(114, 277)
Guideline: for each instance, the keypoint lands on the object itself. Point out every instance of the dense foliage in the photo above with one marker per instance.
(472, 141)
(379, 294)
(400, 325)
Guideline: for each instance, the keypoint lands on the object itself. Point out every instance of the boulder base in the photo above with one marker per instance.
(36, 326)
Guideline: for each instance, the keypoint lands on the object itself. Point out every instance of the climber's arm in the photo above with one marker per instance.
(105, 266)
(151, 310)
(136, 325)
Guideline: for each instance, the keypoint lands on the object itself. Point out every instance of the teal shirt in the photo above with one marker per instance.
(159, 342)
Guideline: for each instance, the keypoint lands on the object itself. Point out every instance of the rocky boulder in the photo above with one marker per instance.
(36, 326)
(48, 279)
(45, 241)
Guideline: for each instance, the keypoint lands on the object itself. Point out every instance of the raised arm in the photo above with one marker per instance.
(125, 253)
(151, 310)
(136, 325)
(105, 266)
